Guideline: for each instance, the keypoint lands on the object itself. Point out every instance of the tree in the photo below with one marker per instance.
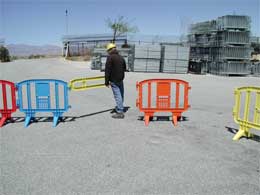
(256, 47)
(4, 54)
(120, 26)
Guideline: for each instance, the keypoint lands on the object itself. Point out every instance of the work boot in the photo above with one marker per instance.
(113, 111)
(118, 116)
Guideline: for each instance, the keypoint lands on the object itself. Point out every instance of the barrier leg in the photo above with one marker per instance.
(56, 119)
(2, 121)
(175, 120)
(4, 118)
(243, 131)
(28, 119)
(147, 118)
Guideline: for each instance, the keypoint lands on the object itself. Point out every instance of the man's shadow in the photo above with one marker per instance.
(62, 119)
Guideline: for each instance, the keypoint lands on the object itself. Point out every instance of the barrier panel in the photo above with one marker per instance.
(251, 115)
(7, 100)
(171, 95)
(43, 95)
(82, 83)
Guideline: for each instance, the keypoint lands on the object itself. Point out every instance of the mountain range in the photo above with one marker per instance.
(27, 50)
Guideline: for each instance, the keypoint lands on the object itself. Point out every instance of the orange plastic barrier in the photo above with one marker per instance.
(167, 100)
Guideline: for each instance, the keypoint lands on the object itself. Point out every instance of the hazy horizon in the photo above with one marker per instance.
(43, 22)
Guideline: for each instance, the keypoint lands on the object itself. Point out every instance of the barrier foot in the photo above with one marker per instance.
(55, 121)
(242, 133)
(146, 119)
(2, 121)
(175, 120)
(27, 121)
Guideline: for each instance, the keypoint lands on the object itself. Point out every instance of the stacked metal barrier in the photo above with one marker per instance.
(233, 22)
(175, 58)
(100, 56)
(147, 58)
(256, 69)
(222, 45)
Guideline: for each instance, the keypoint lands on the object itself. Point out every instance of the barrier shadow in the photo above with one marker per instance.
(164, 118)
(255, 137)
(63, 119)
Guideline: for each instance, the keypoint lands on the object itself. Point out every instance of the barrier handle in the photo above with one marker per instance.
(137, 85)
(83, 83)
(137, 100)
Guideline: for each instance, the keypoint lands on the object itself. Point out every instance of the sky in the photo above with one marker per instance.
(41, 22)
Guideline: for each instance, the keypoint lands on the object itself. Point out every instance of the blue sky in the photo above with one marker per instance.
(41, 22)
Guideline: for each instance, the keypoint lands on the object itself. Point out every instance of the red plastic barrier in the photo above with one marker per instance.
(4, 109)
(164, 100)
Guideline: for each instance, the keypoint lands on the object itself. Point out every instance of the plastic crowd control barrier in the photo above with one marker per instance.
(7, 100)
(162, 95)
(43, 95)
(82, 83)
(246, 122)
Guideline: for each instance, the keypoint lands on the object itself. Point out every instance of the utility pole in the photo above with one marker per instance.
(67, 25)
(67, 52)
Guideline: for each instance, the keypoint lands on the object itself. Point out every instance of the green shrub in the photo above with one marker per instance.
(4, 54)
(36, 56)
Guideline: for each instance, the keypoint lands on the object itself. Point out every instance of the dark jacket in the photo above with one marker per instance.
(115, 68)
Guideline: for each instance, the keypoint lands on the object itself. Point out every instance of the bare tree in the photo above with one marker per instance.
(119, 26)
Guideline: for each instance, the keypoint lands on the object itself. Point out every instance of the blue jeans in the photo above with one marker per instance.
(118, 91)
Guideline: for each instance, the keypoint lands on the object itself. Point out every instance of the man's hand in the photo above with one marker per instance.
(107, 85)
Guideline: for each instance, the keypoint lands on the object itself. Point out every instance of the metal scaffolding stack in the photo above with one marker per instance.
(98, 61)
(146, 58)
(221, 46)
(175, 58)
(168, 58)
(256, 69)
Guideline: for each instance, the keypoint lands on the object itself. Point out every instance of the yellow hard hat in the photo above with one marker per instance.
(110, 46)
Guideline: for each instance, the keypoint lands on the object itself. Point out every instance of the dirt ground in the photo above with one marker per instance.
(91, 153)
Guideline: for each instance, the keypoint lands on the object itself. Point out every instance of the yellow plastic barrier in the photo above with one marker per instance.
(244, 122)
(82, 83)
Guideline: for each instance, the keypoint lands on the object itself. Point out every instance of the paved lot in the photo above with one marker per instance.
(91, 153)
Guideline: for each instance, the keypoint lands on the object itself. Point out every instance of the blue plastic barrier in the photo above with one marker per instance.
(42, 95)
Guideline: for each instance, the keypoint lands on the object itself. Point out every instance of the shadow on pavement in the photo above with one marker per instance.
(163, 118)
(63, 119)
(234, 131)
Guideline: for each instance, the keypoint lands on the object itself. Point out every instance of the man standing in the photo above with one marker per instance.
(114, 76)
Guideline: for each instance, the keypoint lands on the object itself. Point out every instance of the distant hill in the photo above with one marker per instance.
(27, 50)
